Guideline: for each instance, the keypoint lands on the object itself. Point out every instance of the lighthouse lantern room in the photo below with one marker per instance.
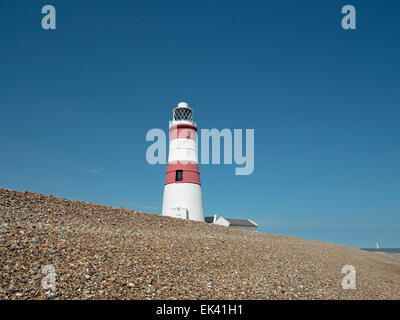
(182, 190)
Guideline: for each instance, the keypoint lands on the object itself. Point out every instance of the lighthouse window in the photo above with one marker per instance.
(179, 175)
(183, 114)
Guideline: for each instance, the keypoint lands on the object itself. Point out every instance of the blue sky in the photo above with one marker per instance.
(76, 103)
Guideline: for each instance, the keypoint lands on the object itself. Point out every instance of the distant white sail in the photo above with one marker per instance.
(377, 245)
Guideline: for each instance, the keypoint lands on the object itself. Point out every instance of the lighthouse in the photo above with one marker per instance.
(182, 190)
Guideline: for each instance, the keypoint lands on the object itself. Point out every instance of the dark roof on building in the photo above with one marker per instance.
(241, 223)
(209, 219)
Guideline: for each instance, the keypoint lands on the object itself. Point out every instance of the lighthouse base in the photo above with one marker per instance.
(183, 200)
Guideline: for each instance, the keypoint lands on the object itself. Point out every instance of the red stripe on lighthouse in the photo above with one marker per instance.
(184, 131)
(190, 173)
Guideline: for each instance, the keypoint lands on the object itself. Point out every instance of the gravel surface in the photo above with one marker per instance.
(100, 252)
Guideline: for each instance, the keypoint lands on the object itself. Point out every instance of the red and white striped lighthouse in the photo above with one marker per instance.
(182, 190)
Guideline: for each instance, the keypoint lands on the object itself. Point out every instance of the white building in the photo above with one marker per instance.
(234, 223)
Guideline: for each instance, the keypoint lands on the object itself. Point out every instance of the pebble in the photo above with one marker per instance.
(51, 295)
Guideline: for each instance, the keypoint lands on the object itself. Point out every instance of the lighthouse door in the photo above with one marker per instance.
(179, 213)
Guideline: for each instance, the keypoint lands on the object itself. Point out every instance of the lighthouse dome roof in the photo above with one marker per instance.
(183, 105)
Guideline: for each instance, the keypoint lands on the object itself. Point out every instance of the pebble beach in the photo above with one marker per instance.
(102, 252)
